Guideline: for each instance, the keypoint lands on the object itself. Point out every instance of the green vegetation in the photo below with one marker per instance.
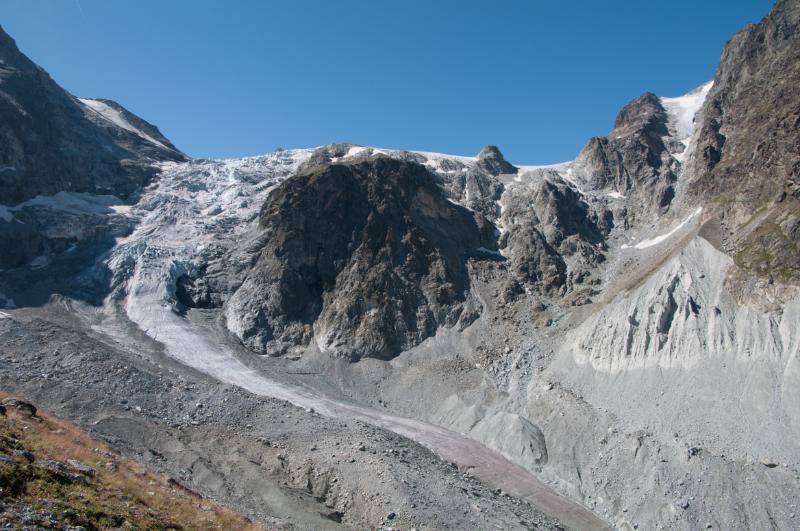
(769, 252)
(54, 475)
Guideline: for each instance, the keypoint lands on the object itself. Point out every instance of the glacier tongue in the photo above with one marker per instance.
(196, 209)
(202, 208)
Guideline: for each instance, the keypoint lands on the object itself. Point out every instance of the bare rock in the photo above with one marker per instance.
(23, 407)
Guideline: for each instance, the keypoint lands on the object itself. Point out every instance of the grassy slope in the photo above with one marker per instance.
(115, 493)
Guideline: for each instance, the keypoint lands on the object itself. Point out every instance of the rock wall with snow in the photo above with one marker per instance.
(366, 258)
(625, 325)
(53, 142)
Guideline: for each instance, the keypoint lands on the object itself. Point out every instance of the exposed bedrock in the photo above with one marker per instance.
(367, 258)
(554, 239)
(747, 162)
(635, 159)
(51, 141)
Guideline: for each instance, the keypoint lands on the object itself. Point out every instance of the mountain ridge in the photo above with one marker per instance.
(622, 328)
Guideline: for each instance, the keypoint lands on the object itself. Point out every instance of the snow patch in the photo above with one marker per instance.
(437, 157)
(557, 166)
(567, 176)
(5, 214)
(644, 244)
(7, 302)
(682, 110)
(616, 195)
(76, 203)
(355, 151)
(39, 262)
(116, 117)
(489, 251)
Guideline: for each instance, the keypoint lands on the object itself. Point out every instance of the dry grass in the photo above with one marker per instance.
(119, 493)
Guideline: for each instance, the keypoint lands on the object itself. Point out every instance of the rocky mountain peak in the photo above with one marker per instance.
(644, 114)
(9, 52)
(52, 142)
(491, 160)
(747, 163)
(635, 158)
(130, 131)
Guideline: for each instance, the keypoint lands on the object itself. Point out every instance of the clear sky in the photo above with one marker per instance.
(234, 77)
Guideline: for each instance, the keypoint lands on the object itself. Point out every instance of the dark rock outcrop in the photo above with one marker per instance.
(491, 160)
(197, 293)
(23, 407)
(42, 231)
(51, 142)
(633, 159)
(366, 257)
(747, 160)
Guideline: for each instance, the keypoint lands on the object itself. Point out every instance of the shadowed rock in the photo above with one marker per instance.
(50, 141)
(367, 258)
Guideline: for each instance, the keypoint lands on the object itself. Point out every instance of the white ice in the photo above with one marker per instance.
(115, 117)
(644, 244)
(682, 110)
(5, 214)
(75, 202)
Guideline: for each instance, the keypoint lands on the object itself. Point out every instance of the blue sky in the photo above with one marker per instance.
(234, 78)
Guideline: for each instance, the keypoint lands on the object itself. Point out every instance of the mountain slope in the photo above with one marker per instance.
(67, 165)
(622, 326)
(54, 475)
(53, 142)
(748, 162)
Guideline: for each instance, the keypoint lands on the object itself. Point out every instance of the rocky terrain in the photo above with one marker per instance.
(54, 142)
(54, 476)
(362, 337)
(285, 467)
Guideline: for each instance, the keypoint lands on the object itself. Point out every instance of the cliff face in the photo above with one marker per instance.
(51, 141)
(634, 159)
(747, 159)
(367, 258)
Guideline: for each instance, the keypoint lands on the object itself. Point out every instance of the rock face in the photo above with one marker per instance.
(491, 160)
(83, 155)
(553, 237)
(367, 258)
(52, 226)
(52, 142)
(748, 148)
(634, 159)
